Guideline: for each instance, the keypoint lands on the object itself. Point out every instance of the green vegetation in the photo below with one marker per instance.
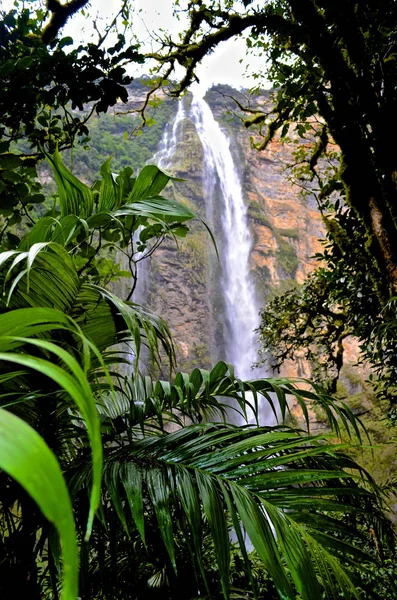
(194, 250)
(286, 257)
(335, 87)
(289, 233)
(54, 286)
(256, 213)
(148, 478)
(262, 276)
(118, 135)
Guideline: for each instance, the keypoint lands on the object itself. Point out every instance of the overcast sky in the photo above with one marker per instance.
(222, 66)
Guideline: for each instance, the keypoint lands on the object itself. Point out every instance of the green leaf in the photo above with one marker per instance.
(131, 478)
(150, 182)
(158, 208)
(275, 484)
(159, 495)
(27, 459)
(110, 193)
(213, 508)
(66, 41)
(77, 386)
(75, 197)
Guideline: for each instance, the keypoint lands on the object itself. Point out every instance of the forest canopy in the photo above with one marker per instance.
(98, 499)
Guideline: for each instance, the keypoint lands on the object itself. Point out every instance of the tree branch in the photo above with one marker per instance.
(60, 14)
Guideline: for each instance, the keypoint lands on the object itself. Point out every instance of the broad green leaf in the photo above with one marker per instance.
(75, 197)
(110, 193)
(158, 208)
(27, 459)
(76, 385)
(150, 182)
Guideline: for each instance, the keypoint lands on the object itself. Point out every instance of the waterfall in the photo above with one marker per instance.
(165, 156)
(227, 215)
(222, 184)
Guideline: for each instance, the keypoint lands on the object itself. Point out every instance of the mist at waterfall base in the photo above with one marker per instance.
(221, 184)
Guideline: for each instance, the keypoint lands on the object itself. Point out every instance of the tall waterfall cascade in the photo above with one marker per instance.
(165, 155)
(164, 158)
(221, 183)
(226, 213)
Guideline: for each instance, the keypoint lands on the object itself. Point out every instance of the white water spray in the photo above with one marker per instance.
(223, 193)
(172, 138)
(222, 184)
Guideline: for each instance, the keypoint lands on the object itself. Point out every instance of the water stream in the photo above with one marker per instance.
(227, 213)
(172, 138)
(222, 184)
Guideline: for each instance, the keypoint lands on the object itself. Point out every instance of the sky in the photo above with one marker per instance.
(222, 66)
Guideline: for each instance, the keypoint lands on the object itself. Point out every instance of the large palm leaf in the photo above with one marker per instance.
(296, 496)
(216, 394)
(24, 455)
(46, 276)
(273, 484)
(109, 204)
(287, 490)
(44, 271)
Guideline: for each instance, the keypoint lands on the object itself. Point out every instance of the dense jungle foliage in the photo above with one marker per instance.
(117, 486)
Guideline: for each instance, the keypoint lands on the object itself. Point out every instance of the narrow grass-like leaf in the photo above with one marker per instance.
(131, 478)
(261, 536)
(159, 492)
(294, 551)
(112, 482)
(214, 511)
(333, 577)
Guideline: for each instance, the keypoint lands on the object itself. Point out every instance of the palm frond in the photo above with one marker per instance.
(107, 320)
(66, 371)
(62, 230)
(212, 394)
(272, 483)
(42, 276)
(45, 276)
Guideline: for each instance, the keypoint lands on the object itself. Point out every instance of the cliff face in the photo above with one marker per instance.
(185, 283)
(285, 227)
(179, 274)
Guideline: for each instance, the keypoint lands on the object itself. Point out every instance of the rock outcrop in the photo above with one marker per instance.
(184, 283)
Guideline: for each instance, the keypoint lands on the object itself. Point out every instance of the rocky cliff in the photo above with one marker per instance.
(184, 282)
